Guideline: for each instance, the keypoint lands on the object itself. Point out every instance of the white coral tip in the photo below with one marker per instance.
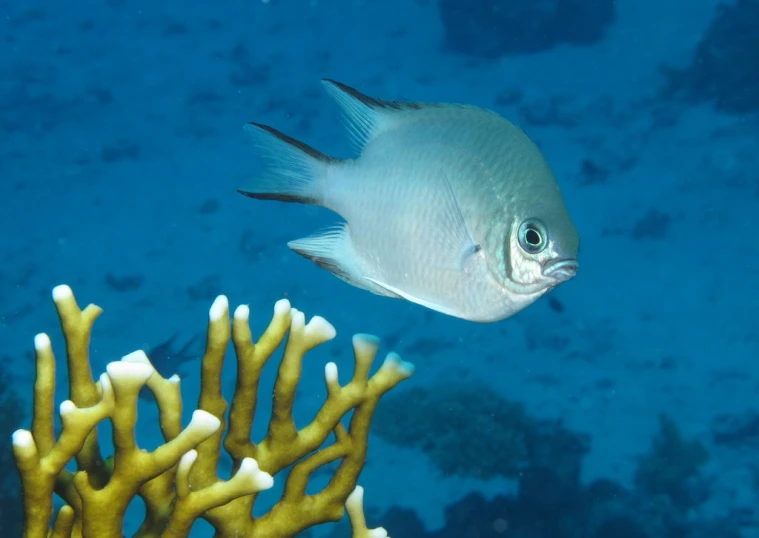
(42, 342)
(260, 480)
(320, 328)
(378, 532)
(62, 292)
(365, 343)
(355, 506)
(393, 360)
(66, 408)
(132, 373)
(356, 498)
(219, 308)
(22, 439)
(186, 461)
(298, 320)
(205, 422)
(242, 313)
(282, 307)
(330, 372)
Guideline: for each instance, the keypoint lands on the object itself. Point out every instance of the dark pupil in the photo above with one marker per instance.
(532, 237)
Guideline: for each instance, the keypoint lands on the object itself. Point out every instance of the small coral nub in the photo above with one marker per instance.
(42, 341)
(62, 292)
(219, 307)
(22, 439)
(320, 327)
(242, 312)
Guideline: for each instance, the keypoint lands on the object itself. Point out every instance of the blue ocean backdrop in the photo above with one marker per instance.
(625, 403)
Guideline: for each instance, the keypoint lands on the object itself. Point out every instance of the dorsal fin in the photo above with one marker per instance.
(366, 116)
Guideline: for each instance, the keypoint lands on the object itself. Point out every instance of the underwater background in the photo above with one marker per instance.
(623, 404)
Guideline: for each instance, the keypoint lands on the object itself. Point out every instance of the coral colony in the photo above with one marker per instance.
(178, 481)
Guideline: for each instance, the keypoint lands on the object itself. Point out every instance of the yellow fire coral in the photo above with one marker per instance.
(178, 481)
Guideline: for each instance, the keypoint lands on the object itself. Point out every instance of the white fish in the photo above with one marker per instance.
(449, 206)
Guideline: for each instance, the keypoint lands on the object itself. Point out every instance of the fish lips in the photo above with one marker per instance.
(561, 269)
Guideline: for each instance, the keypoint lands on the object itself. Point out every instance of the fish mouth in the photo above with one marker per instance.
(561, 270)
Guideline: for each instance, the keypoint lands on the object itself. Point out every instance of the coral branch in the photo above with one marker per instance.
(355, 507)
(178, 480)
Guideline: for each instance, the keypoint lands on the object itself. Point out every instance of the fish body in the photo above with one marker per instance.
(448, 206)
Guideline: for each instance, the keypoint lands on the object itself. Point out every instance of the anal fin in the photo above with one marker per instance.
(330, 250)
(414, 299)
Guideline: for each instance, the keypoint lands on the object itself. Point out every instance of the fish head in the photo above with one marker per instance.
(541, 253)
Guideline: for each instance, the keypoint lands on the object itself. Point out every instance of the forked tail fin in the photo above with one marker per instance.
(296, 171)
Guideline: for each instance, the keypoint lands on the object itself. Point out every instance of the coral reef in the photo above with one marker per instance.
(735, 429)
(458, 426)
(671, 465)
(602, 509)
(551, 500)
(178, 481)
(492, 28)
(724, 68)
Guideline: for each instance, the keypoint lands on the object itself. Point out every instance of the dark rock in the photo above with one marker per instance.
(124, 282)
(724, 68)
(492, 28)
(736, 429)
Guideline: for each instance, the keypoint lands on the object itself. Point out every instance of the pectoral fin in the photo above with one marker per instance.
(448, 234)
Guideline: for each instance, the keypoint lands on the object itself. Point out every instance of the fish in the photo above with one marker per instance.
(449, 206)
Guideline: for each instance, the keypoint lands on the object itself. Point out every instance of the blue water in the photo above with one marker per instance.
(121, 149)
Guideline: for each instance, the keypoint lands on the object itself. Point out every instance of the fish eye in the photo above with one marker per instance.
(533, 237)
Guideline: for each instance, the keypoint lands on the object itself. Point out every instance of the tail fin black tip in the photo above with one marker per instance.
(279, 197)
(305, 148)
